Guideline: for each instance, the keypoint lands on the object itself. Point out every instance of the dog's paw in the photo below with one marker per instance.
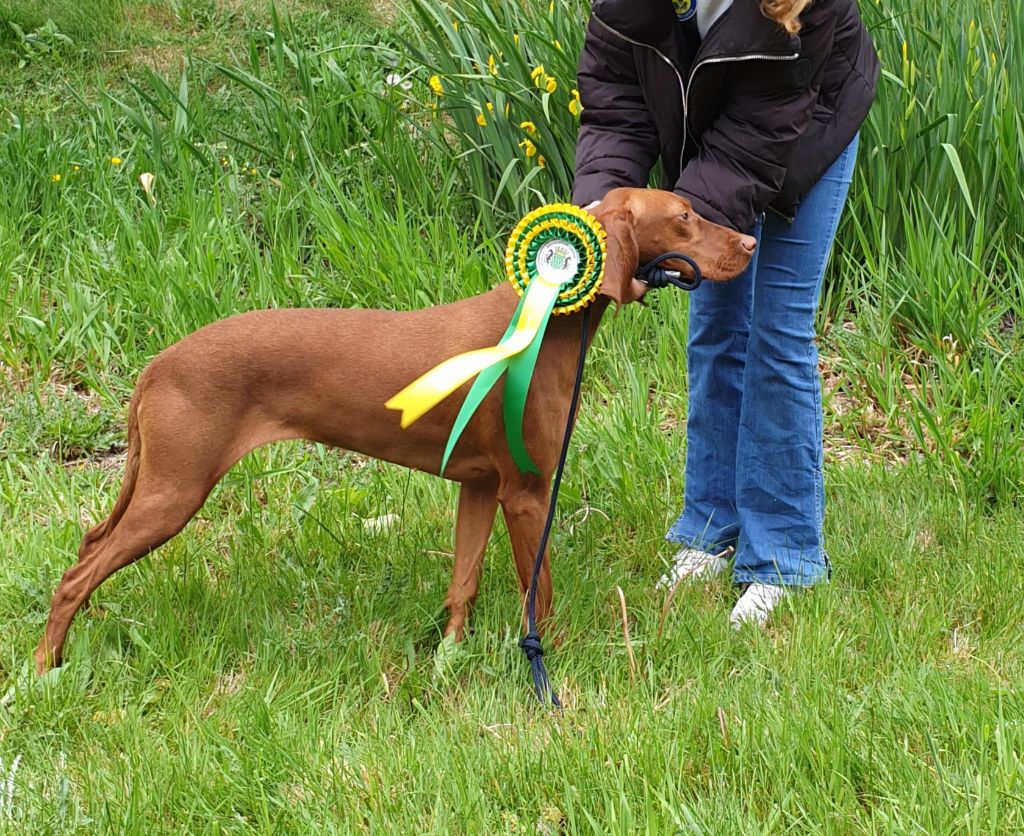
(447, 657)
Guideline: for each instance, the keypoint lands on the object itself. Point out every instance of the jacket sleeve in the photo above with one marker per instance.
(742, 159)
(617, 143)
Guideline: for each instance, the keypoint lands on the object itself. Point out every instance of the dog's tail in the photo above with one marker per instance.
(98, 532)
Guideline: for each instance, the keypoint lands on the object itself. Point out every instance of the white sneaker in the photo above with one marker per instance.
(690, 564)
(756, 603)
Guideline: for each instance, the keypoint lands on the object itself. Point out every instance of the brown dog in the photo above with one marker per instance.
(324, 375)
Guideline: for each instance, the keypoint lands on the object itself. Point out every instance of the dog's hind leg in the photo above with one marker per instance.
(158, 510)
(172, 466)
(478, 503)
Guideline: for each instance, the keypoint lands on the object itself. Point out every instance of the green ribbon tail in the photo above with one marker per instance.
(478, 391)
(481, 386)
(517, 386)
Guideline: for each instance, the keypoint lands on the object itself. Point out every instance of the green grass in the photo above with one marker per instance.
(21, 20)
(276, 667)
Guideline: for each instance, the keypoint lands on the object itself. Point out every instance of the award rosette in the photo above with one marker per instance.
(555, 260)
(558, 244)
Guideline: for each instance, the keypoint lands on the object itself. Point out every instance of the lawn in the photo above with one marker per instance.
(278, 666)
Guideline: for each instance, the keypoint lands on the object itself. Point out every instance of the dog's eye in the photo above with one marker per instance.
(685, 216)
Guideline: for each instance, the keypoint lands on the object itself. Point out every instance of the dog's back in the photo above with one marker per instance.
(324, 374)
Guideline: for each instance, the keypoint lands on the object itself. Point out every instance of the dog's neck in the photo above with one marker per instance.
(569, 326)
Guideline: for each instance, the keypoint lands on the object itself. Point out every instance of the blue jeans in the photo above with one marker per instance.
(754, 429)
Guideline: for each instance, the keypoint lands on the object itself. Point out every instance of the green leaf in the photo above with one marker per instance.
(958, 171)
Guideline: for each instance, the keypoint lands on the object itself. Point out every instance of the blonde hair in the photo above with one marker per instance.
(786, 13)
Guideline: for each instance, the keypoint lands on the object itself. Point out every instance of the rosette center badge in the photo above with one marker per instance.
(557, 262)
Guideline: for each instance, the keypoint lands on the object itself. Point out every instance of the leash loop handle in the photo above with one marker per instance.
(655, 276)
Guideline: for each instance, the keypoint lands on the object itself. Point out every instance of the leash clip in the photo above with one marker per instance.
(657, 277)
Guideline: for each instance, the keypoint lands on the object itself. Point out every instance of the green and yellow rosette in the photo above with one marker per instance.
(555, 260)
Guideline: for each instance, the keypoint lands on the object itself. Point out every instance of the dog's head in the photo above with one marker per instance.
(645, 223)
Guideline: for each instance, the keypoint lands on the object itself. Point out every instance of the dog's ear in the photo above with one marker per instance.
(623, 260)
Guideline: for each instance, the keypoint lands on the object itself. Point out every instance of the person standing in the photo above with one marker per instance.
(753, 110)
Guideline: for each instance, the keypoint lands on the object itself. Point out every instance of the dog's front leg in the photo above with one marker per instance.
(525, 506)
(478, 503)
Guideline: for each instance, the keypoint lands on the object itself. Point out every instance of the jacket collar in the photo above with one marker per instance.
(741, 30)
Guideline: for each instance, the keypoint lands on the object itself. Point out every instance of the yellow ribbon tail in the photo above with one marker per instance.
(424, 393)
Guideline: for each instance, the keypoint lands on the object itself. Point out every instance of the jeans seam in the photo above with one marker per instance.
(818, 471)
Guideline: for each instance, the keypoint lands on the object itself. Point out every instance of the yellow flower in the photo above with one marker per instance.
(541, 162)
(455, 25)
(253, 172)
(515, 38)
(115, 161)
(558, 46)
(529, 127)
(481, 120)
(904, 52)
(490, 107)
(551, 8)
(436, 86)
(55, 178)
(541, 78)
(528, 147)
(492, 65)
(575, 105)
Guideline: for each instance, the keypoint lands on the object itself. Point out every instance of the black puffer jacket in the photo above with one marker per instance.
(749, 120)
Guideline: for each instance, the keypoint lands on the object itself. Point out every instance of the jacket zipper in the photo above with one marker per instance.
(684, 89)
(667, 60)
(721, 59)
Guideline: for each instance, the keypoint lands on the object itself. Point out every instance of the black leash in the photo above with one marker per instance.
(654, 277)
(530, 643)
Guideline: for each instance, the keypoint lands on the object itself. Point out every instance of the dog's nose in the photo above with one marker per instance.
(748, 242)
